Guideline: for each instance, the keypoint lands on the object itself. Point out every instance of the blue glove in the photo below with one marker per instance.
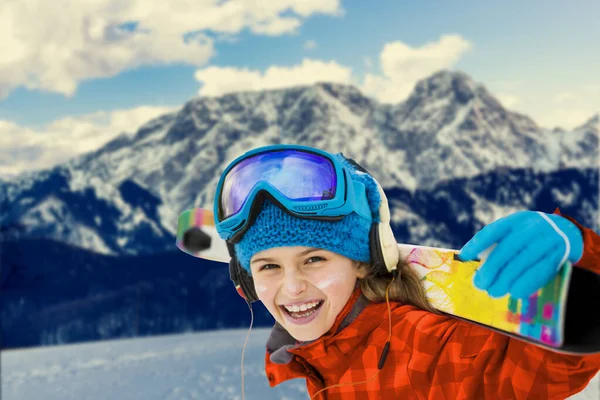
(529, 249)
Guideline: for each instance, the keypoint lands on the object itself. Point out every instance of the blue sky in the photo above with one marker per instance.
(538, 57)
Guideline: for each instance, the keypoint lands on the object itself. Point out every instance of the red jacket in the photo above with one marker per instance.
(430, 356)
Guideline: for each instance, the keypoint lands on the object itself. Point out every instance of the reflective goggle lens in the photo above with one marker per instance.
(298, 175)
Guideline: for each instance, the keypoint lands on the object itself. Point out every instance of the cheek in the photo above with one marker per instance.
(328, 282)
(261, 288)
(264, 291)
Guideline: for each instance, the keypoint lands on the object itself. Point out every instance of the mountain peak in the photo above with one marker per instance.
(592, 123)
(336, 87)
(446, 83)
(450, 97)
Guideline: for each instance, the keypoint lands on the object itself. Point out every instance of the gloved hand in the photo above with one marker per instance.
(529, 249)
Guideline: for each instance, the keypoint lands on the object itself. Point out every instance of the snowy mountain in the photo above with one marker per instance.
(575, 146)
(99, 217)
(452, 127)
(125, 198)
(204, 365)
(449, 214)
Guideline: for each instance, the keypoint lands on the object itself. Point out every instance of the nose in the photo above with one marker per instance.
(293, 282)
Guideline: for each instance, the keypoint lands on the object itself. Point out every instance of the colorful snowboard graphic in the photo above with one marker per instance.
(449, 287)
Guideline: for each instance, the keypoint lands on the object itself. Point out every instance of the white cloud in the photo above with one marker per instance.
(567, 118)
(403, 66)
(65, 41)
(507, 100)
(506, 85)
(310, 44)
(593, 89)
(23, 148)
(565, 97)
(568, 109)
(220, 80)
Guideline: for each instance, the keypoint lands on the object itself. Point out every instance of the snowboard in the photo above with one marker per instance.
(563, 316)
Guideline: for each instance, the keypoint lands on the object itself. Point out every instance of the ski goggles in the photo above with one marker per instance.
(303, 181)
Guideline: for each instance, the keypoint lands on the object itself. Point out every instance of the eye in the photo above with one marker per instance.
(314, 258)
(266, 265)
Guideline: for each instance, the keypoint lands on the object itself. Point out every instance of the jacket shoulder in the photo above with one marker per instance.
(421, 330)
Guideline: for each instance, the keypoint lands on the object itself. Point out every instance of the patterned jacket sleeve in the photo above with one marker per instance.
(591, 246)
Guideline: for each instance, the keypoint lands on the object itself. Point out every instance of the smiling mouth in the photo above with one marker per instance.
(321, 302)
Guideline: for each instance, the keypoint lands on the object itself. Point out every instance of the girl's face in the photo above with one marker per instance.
(286, 275)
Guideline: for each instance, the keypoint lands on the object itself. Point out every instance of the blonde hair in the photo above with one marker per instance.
(406, 290)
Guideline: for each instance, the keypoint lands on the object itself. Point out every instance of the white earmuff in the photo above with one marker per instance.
(389, 246)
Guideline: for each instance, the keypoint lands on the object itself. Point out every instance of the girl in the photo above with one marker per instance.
(310, 238)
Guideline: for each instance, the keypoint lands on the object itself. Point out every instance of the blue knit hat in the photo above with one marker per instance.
(348, 237)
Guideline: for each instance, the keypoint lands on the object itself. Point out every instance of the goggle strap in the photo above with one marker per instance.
(230, 249)
(360, 193)
(355, 164)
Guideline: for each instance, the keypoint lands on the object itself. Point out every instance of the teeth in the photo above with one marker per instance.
(303, 307)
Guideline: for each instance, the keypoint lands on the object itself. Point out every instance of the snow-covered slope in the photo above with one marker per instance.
(200, 366)
(577, 147)
(118, 217)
